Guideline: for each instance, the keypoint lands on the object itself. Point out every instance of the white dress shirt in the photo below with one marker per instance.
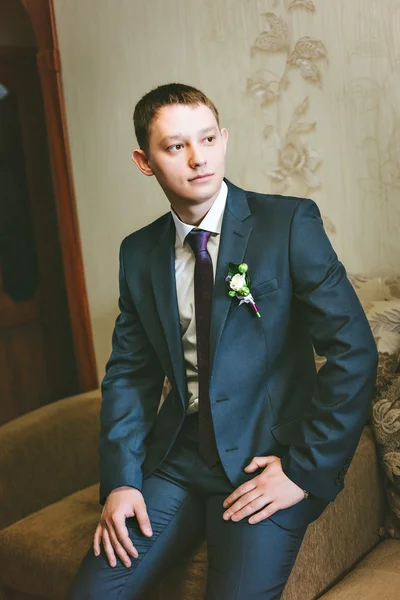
(184, 274)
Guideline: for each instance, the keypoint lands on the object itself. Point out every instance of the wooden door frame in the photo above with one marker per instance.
(41, 15)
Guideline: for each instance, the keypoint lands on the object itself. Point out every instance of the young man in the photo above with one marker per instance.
(250, 445)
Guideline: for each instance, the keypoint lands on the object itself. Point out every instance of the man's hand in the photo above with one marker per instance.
(121, 503)
(272, 487)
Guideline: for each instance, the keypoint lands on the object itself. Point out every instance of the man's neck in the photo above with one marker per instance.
(192, 215)
(195, 213)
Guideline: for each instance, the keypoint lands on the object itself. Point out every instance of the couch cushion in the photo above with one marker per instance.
(40, 554)
(47, 454)
(48, 545)
(377, 576)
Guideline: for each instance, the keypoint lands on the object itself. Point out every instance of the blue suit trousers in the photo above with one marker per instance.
(184, 500)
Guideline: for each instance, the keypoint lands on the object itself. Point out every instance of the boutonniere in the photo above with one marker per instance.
(238, 280)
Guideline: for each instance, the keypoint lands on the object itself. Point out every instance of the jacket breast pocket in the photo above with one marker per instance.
(262, 289)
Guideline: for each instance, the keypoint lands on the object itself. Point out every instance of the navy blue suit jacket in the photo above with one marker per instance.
(266, 397)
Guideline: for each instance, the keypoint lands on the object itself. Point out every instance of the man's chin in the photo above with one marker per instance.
(205, 188)
(203, 196)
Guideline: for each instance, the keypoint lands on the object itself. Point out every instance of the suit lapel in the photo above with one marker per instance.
(235, 233)
(164, 286)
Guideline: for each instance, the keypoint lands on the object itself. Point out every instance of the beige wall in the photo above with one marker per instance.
(314, 117)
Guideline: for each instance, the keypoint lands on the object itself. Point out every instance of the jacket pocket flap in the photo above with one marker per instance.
(264, 288)
(284, 432)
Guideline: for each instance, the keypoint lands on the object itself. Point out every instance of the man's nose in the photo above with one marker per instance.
(197, 157)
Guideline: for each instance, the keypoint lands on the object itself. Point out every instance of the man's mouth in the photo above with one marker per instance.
(199, 177)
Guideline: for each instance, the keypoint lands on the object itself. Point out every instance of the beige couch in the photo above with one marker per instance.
(49, 509)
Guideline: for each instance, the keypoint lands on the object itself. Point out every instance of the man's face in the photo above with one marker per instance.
(187, 153)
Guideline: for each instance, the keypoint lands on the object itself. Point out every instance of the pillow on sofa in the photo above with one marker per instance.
(380, 298)
(386, 427)
(384, 319)
(375, 288)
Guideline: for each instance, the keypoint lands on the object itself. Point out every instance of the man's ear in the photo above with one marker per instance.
(140, 159)
(225, 136)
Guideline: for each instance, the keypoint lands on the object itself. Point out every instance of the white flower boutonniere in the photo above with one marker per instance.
(238, 280)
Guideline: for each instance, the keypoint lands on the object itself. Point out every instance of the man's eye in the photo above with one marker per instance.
(210, 138)
(175, 147)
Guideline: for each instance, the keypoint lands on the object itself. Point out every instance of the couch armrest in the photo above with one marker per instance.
(48, 454)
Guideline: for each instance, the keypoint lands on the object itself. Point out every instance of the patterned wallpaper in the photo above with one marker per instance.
(308, 89)
(294, 83)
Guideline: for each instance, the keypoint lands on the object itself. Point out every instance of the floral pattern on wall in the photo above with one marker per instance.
(298, 162)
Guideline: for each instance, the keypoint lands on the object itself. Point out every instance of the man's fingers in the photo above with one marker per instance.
(259, 462)
(97, 540)
(143, 519)
(246, 505)
(119, 549)
(265, 513)
(121, 532)
(250, 508)
(108, 549)
(243, 489)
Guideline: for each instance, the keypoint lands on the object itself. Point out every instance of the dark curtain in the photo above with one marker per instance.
(18, 260)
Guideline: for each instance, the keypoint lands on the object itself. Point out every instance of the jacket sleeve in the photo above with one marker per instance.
(131, 392)
(323, 446)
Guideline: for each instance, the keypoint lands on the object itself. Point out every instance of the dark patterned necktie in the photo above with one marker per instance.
(203, 290)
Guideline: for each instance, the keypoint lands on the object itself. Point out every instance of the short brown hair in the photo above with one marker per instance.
(171, 93)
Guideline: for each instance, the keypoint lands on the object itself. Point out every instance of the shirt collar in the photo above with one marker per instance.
(212, 220)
